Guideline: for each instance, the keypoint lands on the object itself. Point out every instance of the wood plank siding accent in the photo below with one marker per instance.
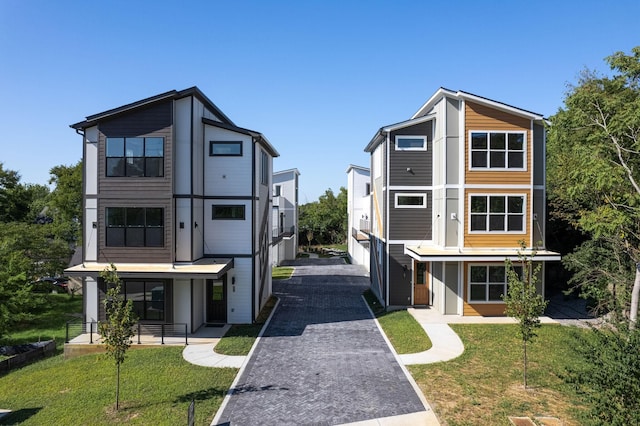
(478, 309)
(492, 239)
(481, 117)
(155, 120)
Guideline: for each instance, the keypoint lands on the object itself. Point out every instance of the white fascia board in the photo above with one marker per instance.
(407, 123)
(432, 100)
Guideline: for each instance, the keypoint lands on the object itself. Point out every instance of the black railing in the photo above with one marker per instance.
(75, 329)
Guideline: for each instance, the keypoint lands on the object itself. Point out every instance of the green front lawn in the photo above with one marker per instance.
(156, 387)
(281, 272)
(49, 322)
(484, 385)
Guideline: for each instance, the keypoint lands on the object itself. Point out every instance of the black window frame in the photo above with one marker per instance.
(147, 304)
(219, 208)
(121, 229)
(264, 168)
(230, 143)
(134, 166)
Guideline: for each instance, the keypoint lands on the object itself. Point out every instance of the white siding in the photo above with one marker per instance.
(200, 217)
(198, 303)
(183, 234)
(91, 161)
(91, 297)
(182, 302)
(182, 146)
(227, 237)
(90, 233)
(227, 176)
(239, 294)
(198, 150)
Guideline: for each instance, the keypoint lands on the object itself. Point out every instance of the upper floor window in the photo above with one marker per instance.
(411, 201)
(498, 150)
(277, 190)
(497, 213)
(234, 212)
(411, 143)
(135, 227)
(264, 168)
(488, 282)
(225, 148)
(141, 157)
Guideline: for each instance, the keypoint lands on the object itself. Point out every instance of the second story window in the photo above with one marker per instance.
(411, 143)
(497, 213)
(225, 149)
(135, 157)
(135, 227)
(277, 191)
(264, 168)
(497, 150)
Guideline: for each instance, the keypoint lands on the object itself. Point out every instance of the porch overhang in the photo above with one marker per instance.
(433, 254)
(212, 268)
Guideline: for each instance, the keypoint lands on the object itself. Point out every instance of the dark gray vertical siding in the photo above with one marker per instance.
(538, 154)
(420, 163)
(156, 120)
(538, 221)
(400, 279)
(377, 268)
(410, 224)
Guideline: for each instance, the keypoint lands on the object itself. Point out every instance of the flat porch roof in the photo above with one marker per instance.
(431, 254)
(213, 268)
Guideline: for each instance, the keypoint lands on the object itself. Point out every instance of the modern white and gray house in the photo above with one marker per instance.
(179, 199)
(285, 216)
(358, 214)
(454, 189)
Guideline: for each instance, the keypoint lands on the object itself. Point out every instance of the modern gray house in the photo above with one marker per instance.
(454, 189)
(285, 216)
(178, 198)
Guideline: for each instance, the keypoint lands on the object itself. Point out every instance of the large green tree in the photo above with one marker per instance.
(65, 201)
(325, 218)
(594, 173)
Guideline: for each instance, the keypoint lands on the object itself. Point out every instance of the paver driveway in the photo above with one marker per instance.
(322, 359)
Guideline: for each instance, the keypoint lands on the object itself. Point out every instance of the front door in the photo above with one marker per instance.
(421, 284)
(217, 300)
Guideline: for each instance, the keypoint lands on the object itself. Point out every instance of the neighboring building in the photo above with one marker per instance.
(178, 198)
(454, 190)
(359, 214)
(285, 216)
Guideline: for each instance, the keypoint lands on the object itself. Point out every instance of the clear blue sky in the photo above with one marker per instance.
(317, 78)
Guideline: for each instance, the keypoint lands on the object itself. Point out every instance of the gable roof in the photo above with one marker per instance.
(442, 92)
(380, 134)
(92, 120)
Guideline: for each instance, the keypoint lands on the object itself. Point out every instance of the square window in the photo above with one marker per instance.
(499, 150)
(478, 292)
(134, 147)
(496, 223)
(496, 213)
(478, 141)
(115, 147)
(479, 222)
(115, 167)
(496, 204)
(154, 147)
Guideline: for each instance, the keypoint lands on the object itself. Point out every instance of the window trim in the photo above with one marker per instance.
(422, 195)
(468, 283)
(144, 157)
(506, 151)
(236, 143)
(213, 212)
(505, 215)
(422, 148)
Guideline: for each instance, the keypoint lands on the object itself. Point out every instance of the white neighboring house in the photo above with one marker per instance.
(178, 198)
(284, 245)
(359, 214)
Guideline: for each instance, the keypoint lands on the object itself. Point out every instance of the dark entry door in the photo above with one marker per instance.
(217, 300)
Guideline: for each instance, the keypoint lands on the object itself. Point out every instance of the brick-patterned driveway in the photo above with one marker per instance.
(321, 360)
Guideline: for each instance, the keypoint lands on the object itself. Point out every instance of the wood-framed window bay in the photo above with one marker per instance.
(487, 282)
(497, 213)
(134, 226)
(497, 150)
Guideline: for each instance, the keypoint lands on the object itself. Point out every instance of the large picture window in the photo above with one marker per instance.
(497, 150)
(147, 297)
(135, 227)
(487, 283)
(135, 157)
(497, 213)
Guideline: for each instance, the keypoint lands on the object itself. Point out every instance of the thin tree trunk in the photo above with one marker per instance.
(635, 297)
(118, 388)
(524, 371)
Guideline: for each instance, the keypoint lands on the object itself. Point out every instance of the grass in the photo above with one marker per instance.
(240, 338)
(484, 385)
(281, 272)
(156, 387)
(48, 323)
(403, 331)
